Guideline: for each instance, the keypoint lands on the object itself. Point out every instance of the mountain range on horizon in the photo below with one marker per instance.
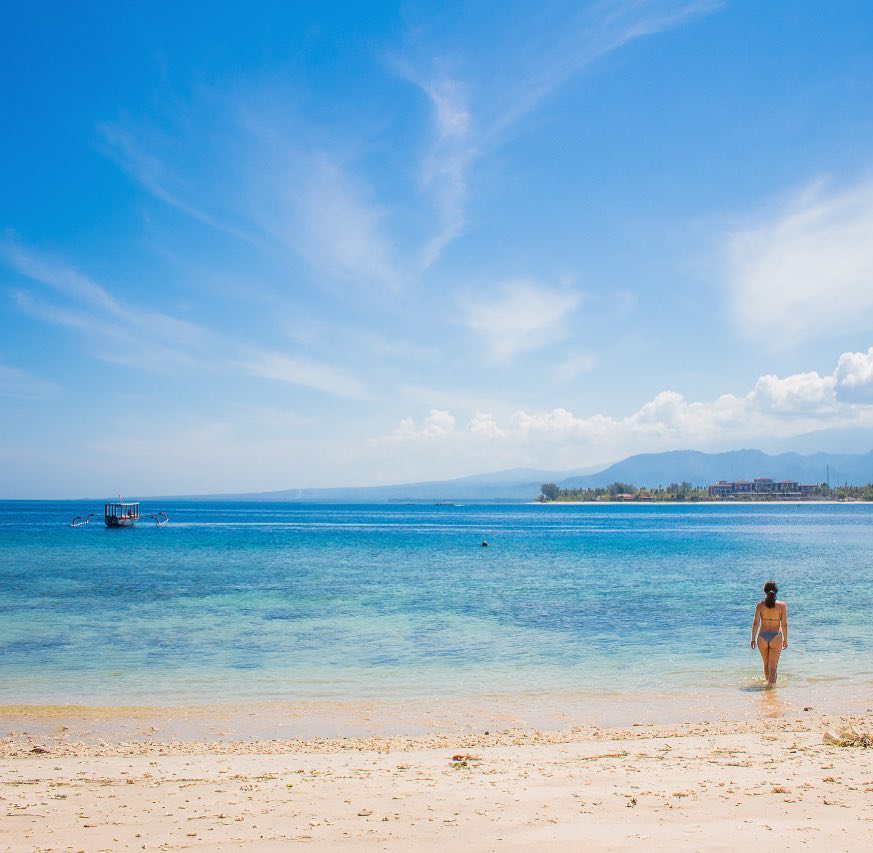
(641, 470)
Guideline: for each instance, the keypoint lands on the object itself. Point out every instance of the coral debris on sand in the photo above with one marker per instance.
(849, 737)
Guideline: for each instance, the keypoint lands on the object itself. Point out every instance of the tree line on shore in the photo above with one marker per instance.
(681, 492)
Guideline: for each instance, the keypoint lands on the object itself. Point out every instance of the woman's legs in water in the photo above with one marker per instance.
(764, 649)
(775, 651)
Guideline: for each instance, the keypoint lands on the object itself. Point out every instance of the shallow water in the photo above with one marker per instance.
(305, 603)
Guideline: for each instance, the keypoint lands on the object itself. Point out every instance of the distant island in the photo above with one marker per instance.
(522, 485)
(760, 489)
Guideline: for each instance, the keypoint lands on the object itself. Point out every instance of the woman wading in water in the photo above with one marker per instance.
(771, 616)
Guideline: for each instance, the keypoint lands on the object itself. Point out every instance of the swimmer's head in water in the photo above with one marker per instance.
(770, 590)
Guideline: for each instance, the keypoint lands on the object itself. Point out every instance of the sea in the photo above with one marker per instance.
(591, 608)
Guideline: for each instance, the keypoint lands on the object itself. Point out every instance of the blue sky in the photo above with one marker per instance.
(276, 245)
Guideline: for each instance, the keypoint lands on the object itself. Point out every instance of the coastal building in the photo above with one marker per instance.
(763, 488)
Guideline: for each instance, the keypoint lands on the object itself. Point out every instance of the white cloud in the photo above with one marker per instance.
(310, 374)
(854, 375)
(797, 394)
(557, 420)
(808, 269)
(484, 424)
(780, 407)
(519, 317)
(438, 424)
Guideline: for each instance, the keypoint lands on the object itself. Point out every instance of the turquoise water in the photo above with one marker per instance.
(287, 602)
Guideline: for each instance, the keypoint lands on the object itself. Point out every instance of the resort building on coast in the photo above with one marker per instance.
(764, 488)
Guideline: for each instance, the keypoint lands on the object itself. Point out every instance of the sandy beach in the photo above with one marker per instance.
(694, 786)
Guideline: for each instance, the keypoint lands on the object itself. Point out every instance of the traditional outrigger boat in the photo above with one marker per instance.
(121, 513)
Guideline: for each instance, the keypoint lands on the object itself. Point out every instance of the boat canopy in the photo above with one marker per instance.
(121, 509)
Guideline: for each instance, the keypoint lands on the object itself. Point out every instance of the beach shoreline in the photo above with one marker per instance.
(436, 713)
(712, 785)
(700, 503)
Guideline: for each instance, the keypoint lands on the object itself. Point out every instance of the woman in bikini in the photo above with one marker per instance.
(771, 616)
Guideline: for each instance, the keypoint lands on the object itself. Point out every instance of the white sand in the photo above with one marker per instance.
(712, 786)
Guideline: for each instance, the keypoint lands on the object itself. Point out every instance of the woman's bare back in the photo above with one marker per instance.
(771, 617)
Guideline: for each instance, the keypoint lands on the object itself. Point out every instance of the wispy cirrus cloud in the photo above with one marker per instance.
(123, 334)
(153, 174)
(107, 339)
(280, 194)
(576, 43)
(331, 219)
(114, 332)
(21, 385)
(452, 151)
(473, 115)
(285, 182)
(305, 372)
(805, 269)
(518, 316)
(72, 285)
(574, 366)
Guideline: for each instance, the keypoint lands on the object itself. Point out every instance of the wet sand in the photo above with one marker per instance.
(744, 699)
(715, 785)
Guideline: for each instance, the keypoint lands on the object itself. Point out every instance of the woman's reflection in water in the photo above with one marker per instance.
(770, 705)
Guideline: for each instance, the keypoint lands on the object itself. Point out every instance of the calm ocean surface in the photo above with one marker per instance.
(286, 602)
